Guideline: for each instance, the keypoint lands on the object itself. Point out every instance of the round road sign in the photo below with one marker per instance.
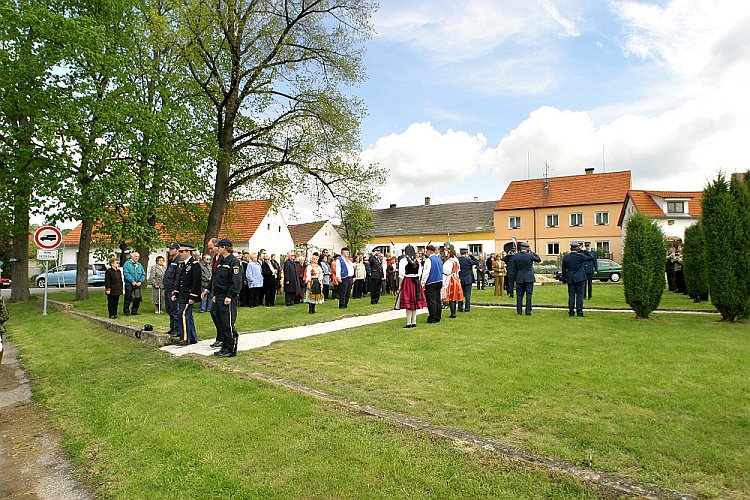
(48, 237)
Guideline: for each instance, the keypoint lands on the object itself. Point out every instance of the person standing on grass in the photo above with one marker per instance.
(186, 293)
(411, 295)
(432, 279)
(376, 277)
(156, 278)
(498, 271)
(574, 274)
(510, 283)
(254, 277)
(207, 294)
(590, 267)
(270, 280)
(466, 263)
(134, 275)
(452, 291)
(313, 285)
(205, 264)
(291, 279)
(522, 267)
(226, 284)
(113, 286)
(344, 277)
(170, 282)
(4, 317)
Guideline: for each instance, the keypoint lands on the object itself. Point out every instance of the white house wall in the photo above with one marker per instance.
(327, 237)
(272, 235)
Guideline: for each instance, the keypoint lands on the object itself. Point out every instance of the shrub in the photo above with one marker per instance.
(725, 224)
(694, 263)
(643, 264)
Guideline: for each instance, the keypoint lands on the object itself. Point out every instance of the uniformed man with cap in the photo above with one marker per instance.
(186, 293)
(522, 267)
(591, 267)
(574, 274)
(227, 283)
(170, 282)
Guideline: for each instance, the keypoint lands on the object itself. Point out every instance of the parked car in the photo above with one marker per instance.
(608, 270)
(5, 282)
(65, 275)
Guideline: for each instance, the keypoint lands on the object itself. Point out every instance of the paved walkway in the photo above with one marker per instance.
(256, 340)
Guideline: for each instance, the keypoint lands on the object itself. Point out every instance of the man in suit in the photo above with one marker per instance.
(432, 280)
(376, 277)
(574, 274)
(522, 267)
(466, 263)
(510, 284)
(590, 267)
(291, 279)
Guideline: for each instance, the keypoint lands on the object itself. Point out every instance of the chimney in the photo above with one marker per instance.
(476, 198)
(589, 170)
(393, 205)
(427, 200)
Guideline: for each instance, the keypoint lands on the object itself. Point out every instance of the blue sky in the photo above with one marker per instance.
(466, 96)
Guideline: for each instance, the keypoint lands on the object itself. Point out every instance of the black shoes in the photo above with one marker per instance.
(410, 326)
(134, 313)
(127, 313)
(217, 344)
(226, 354)
(453, 316)
(182, 343)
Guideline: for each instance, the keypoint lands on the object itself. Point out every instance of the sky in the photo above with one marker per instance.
(465, 97)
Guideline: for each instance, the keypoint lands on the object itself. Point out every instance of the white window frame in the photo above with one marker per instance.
(600, 246)
(553, 243)
(599, 218)
(576, 215)
(510, 222)
(556, 220)
(674, 205)
(475, 248)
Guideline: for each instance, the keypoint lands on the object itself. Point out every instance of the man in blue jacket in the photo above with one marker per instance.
(522, 267)
(590, 266)
(170, 282)
(466, 263)
(134, 276)
(574, 274)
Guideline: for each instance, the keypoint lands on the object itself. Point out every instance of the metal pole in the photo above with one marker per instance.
(46, 283)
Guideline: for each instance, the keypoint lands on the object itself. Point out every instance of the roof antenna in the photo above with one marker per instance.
(528, 168)
(604, 165)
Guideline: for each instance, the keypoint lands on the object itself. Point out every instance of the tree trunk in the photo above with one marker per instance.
(20, 273)
(82, 260)
(219, 201)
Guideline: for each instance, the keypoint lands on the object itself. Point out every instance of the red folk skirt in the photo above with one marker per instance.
(412, 294)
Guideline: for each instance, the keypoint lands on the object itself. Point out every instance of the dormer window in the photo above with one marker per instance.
(675, 207)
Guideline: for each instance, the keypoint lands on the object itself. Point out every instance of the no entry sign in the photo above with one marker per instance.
(47, 237)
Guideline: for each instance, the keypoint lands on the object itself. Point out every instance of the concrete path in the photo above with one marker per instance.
(256, 340)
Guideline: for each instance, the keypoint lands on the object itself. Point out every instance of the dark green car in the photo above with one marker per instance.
(608, 270)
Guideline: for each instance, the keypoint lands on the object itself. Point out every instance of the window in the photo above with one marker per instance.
(676, 207)
(514, 222)
(279, 228)
(576, 219)
(553, 220)
(553, 248)
(602, 248)
(602, 218)
(475, 248)
(268, 227)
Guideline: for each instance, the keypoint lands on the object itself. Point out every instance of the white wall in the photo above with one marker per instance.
(272, 234)
(327, 237)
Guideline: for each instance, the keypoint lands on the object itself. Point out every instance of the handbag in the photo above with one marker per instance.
(397, 305)
(137, 294)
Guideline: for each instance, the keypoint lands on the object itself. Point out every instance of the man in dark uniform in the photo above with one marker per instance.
(466, 263)
(510, 281)
(376, 277)
(213, 248)
(186, 293)
(522, 267)
(170, 282)
(227, 283)
(590, 267)
(574, 274)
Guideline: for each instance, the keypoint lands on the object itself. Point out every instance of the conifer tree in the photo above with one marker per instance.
(643, 264)
(694, 263)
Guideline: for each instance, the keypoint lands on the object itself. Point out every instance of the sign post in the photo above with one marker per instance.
(47, 239)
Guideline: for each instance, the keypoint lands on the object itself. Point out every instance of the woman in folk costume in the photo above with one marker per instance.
(411, 294)
(452, 293)
(313, 283)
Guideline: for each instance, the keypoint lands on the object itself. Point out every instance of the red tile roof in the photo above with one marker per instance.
(643, 202)
(587, 189)
(303, 233)
(241, 220)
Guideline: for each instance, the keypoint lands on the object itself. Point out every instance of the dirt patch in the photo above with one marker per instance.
(32, 465)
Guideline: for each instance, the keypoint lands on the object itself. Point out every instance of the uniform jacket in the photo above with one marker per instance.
(113, 280)
(189, 281)
(172, 273)
(591, 266)
(573, 266)
(508, 259)
(133, 272)
(522, 266)
(466, 273)
(376, 268)
(227, 278)
(291, 277)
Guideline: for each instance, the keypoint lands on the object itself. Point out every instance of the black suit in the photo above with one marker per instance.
(376, 278)
(522, 268)
(575, 275)
(291, 281)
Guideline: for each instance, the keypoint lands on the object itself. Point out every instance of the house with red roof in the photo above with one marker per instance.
(551, 212)
(250, 224)
(315, 236)
(674, 211)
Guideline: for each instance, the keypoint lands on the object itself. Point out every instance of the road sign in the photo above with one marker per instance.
(46, 254)
(47, 237)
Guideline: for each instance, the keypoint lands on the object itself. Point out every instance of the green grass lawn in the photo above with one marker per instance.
(143, 424)
(248, 319)
(604, 295)
(665, 400)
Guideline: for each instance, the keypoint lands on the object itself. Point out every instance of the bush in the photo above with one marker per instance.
(726, 227)
(643, 264)
(694, 263)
